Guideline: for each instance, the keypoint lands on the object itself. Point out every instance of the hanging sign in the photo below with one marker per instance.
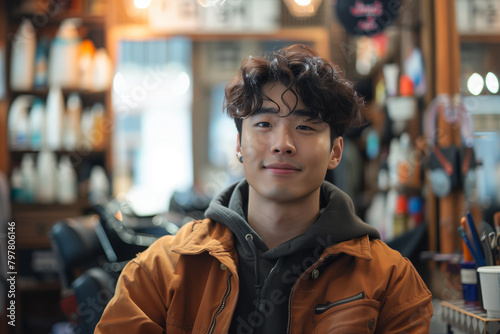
(366, 17)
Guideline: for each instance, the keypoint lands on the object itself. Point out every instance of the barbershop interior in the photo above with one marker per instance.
(112, 135)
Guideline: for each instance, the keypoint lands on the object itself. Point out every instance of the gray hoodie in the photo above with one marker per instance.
(268, 275)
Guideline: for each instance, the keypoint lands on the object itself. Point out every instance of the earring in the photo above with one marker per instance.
(239, 156)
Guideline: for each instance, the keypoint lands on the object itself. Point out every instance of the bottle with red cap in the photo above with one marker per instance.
(415, 212)
(401, 215)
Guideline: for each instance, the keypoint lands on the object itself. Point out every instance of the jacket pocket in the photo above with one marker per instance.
(354, 314)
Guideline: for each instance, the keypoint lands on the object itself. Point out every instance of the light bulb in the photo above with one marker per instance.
(475, 84)
(492, 82)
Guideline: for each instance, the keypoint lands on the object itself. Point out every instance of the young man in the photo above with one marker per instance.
(282, 251)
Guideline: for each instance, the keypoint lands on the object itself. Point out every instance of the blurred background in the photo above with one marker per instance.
(112, 132)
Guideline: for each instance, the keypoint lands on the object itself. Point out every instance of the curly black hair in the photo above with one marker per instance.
(327, 95)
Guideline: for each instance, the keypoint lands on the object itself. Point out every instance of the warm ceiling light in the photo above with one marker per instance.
(475, 84)
(142, 4)
(492, 83)
(303, 8)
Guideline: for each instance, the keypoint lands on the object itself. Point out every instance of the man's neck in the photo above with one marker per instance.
(277, 222)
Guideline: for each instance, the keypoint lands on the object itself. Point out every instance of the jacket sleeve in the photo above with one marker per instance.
(407, 306)
(137, 306)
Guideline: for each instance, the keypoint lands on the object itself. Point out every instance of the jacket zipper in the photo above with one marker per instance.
(290, 310)
(322, 308)
(315, 265)
(223, 304)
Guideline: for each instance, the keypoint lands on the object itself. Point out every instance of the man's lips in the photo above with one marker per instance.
(279, 168)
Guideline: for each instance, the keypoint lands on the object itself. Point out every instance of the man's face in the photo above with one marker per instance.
(285, 158)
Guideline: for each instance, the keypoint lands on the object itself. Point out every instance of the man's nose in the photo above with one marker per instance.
(283, 141)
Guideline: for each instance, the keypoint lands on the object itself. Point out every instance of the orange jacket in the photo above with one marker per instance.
(188, 283)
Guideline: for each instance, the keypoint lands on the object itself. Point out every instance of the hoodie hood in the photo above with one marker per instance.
(337, 221)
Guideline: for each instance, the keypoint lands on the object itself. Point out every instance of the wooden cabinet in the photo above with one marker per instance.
(93, 147)
(37, 282)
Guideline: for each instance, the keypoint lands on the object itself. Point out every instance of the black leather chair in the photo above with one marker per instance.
(123, 234)
(93, 290)
(92, 251)
(86, 287)
(76, 246)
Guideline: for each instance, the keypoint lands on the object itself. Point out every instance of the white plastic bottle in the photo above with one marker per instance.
(28, 174)
(85, 142)
(16, 185)
(102, 70)
(86, 64)
(72, 122)
(54, 118)
(22, 66)
(41, 63)
(18, 122)
(37, 125)
(67, 191)
(63, 55)
(99, 129)
(46, 168)
(98, 182)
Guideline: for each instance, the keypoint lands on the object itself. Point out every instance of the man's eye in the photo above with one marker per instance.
(263, 124)
(304, 127)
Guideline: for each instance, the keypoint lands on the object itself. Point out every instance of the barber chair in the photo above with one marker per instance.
(92, 251)
(123, 234)
(85, 286)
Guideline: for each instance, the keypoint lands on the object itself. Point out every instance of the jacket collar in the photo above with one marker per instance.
(203, 236)
(207, 236)
(358, 247)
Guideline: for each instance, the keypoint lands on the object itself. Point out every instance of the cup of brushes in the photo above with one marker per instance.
(480, 268)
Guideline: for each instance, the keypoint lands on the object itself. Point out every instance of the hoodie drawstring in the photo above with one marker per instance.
(256, 267)
(261, 291)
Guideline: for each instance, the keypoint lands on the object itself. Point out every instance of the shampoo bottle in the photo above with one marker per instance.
(102, 70)
(28, 174)
(37, 125)
(99, 129)
(98, 183)
(86, 64)
(67, 191)
(18, 122)
(72, 122)
(63, 57)
(54, 118)
(41, 63)
(46, 168)
(23, 57)
(85, 142)
(16, 185)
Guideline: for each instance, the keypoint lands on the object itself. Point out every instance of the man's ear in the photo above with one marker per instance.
(336, 153)
(238, 144)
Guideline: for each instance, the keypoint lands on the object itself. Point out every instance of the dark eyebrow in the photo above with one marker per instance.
(272, 110)
(264, 110)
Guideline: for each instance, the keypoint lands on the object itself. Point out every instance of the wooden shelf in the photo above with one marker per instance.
(483, 38)
(54, 19)
(17, 155)
(30, 286)
(34, 221)
(65, 91)
(467, 318)
(80, 204)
